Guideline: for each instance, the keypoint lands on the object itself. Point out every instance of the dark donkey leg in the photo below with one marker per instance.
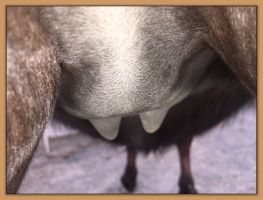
(186, 182)
(128, 179)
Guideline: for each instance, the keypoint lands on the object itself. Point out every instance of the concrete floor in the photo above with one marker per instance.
(223, 162)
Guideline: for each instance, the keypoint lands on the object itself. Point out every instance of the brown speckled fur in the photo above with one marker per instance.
(232, 33)
(32, 80)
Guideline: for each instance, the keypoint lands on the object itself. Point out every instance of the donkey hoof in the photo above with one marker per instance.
(189, 189)
(128, 182)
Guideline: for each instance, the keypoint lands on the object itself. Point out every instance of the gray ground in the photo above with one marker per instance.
(223, 161)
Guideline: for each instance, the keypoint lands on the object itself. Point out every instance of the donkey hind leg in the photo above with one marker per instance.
(186, 181)
(128, 179)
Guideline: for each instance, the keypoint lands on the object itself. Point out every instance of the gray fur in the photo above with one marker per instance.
(123, 60)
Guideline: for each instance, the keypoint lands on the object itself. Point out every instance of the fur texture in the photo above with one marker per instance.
(32, 88)
(120, 61)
